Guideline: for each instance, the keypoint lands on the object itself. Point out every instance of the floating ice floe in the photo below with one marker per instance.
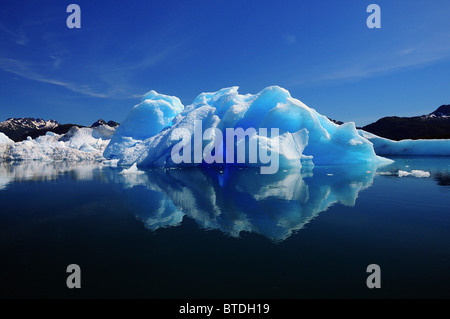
(132, 170)
(385, 173)
(415, 173)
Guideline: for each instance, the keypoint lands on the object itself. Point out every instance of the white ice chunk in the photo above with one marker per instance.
(132, 170)
(415, 173)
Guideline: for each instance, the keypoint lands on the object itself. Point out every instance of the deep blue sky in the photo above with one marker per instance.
(321, 51)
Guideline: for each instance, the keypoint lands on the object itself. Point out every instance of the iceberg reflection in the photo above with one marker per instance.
(234, 200)
(45, 171)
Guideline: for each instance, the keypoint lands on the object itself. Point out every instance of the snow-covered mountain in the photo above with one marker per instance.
(15, 128)
(28, 122)
(103, 122)
(442, 111)
(435, 125)
(19, 129)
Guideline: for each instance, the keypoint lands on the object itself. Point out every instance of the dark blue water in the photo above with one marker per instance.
(195, 233)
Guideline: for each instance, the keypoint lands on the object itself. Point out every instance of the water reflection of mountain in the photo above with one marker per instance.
(234, 201)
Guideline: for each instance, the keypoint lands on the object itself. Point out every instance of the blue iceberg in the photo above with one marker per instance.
(152, 129)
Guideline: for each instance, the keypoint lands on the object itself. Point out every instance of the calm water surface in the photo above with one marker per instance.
(196, 233)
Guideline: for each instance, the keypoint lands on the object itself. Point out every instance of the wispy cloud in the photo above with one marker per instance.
(367, 66)
(56, 61)
(19, 37)
(52, 62)
(406, 51)
(24, 70)
(112, 77)
(408, 58)
(147, 62)
(289, 38)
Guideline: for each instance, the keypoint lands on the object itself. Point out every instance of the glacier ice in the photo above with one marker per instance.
(79, 144)
(305, 135)
(384, 146)
(4, 140)
(155, 112)
(5, 145)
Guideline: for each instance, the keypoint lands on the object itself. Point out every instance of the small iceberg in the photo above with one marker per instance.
(132, 170)
(415, 173)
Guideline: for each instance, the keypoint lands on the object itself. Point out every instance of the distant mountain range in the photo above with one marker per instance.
(18, 129)
(435, 125)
